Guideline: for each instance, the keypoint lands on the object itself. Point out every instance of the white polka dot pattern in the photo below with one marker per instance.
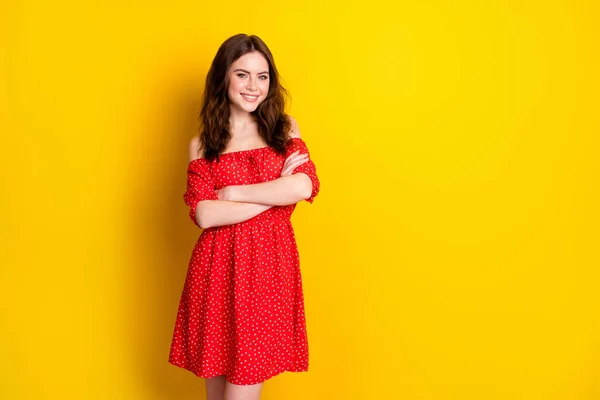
(241, 312)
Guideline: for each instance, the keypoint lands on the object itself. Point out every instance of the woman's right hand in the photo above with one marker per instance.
(292, 162)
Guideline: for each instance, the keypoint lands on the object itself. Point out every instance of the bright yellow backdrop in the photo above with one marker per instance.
(451, 255)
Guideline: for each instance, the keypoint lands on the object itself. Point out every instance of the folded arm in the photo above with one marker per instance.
(211, 213)
(206, 209)
(239, 203)
(282, 191)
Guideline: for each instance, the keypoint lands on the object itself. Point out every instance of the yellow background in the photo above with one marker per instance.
(451, 255)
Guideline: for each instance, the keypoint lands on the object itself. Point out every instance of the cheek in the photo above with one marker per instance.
(236, 86)
(264, 87)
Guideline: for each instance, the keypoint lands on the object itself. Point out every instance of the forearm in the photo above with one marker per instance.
(211, 213)
(282, 191)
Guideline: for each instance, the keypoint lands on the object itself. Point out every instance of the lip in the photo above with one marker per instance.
(249, 101)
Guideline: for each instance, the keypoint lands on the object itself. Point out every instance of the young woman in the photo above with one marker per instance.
(241, 316)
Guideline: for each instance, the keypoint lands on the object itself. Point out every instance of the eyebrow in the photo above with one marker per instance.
(243, 70)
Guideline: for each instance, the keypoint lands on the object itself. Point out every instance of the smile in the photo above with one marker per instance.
(248, 97)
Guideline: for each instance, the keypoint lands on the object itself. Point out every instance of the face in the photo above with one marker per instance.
(248, 81)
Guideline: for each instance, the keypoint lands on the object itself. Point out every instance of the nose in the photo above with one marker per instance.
(251, 84)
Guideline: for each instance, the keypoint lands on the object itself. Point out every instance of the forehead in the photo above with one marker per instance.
(253, 62)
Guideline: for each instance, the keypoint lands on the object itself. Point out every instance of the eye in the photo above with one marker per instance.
(264, 76)
(240, 75)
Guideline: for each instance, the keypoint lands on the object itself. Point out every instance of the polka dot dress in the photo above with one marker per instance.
(241, 312)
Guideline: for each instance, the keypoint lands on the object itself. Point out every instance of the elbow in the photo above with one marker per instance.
(306, 192)
(305, 189)
(202, 217)
(203, 225)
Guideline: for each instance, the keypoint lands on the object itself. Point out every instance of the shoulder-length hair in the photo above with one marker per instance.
(274, 125)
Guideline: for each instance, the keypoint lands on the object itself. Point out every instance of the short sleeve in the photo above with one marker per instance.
(200, 186)
(307, 167)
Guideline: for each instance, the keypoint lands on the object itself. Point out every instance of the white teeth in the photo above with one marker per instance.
(250, 97)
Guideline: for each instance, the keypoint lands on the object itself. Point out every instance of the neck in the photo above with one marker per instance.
(239, 120)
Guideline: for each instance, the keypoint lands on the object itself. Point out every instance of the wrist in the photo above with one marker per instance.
(232, 193)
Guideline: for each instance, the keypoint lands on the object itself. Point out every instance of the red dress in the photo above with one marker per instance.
(241, 312)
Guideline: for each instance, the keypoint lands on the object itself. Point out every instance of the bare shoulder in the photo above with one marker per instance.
(195, 151)
(295, 131)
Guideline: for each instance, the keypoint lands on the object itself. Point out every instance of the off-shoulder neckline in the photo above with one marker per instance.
(243, 151)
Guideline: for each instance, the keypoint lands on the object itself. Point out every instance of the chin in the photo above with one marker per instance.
(249, 107)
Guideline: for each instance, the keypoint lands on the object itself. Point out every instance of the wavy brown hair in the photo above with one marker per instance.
(274, 125)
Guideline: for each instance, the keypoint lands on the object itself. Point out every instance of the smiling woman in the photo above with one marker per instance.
(243, 99)
(241, 315)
